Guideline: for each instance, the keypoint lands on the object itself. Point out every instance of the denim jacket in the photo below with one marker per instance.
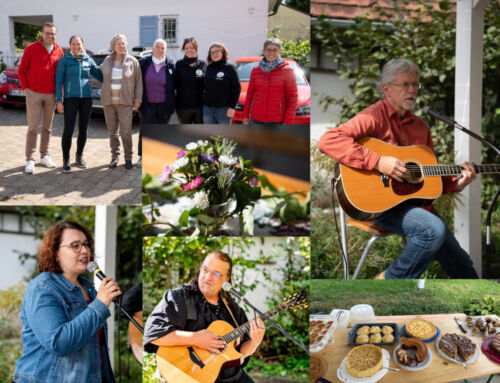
(59, 335)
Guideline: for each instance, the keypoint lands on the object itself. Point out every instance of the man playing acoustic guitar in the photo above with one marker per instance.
(392, 121)
(183, 315)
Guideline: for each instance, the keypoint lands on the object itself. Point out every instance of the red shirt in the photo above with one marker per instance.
(38, 67)
(381, 121)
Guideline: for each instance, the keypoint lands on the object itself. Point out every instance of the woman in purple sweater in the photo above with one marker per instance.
(158, 97)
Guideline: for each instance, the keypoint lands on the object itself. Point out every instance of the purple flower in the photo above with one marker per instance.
(164, 177)
(181, 153)
(207, 157)
(193, 183)
(254, 182)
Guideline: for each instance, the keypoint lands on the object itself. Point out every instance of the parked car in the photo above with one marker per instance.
(10, 86)
(99, 58)
(244, 66)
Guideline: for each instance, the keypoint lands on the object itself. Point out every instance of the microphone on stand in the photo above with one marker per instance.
(229, 288)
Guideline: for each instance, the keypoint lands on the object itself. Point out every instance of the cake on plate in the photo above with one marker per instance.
(364, 361)
(420, 329)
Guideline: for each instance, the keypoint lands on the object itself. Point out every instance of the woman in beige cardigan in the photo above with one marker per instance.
(121, 94)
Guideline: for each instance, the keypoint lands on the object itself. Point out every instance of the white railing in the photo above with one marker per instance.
(9, 58)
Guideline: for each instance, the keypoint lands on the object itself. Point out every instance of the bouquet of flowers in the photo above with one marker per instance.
(219, 184)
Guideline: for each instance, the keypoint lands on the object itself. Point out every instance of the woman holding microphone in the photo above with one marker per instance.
(72, 74)
(64, 319)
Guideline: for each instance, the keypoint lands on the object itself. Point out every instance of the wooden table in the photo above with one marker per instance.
(159, 154)
(440, 369)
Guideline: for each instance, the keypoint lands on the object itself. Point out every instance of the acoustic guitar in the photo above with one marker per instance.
(181, 364)
(367, 195)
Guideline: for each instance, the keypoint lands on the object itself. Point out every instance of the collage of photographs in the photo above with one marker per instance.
(248, 191)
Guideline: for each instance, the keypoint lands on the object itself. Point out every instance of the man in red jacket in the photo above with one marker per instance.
(272, 94)
(37, 77)
(391, 120)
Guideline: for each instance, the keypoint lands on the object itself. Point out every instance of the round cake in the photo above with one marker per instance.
(317, 368)
(420, 329)
(364, 361)
(495, 345)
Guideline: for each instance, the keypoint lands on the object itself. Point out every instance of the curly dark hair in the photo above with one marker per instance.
(223, 48)
(223, 257)
(47, 251)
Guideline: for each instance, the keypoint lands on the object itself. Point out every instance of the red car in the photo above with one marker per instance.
(10, 87)
(244, 66)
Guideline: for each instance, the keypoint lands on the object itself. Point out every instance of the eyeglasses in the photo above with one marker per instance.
(77, 246)
(215, 51)
(406, 85)
(271, 50)
(216, 274)
(49, 33)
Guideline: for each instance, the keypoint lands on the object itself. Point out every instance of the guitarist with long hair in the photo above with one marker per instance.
(392, 121)
(183, 315)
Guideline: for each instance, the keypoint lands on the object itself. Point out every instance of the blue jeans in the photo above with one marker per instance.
(213, 115)
(428, 238)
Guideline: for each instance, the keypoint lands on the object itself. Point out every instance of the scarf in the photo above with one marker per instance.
(159, 61)
(78, 57)
(190, 60)
(267, 66)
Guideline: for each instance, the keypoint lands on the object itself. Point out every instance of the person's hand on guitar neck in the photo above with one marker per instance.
(393, 167)
(257, 332)
(468, 175)
(209, 341)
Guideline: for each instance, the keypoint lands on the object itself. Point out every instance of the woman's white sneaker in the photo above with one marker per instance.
(30, 167)
(47, 161)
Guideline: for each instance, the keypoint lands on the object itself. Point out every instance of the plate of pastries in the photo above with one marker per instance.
(364, 364)
(484, 325)
(457, 348)
(412, 354)
(420, 329)
(321, 328)
(491, 348)
(382, 334)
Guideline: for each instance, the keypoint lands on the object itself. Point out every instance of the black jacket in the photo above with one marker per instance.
(169, 89)
(189, 84)
(222, 85)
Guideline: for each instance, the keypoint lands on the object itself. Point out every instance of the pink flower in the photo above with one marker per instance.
(193, 184)
(254, 182)
(165, 175)
(181, 153)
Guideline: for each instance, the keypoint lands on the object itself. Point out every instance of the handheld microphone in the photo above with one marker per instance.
(439, 116)
(93, 267)
(229, 287)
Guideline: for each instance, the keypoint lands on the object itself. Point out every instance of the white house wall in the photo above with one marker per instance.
(240, 24)
(14, 271)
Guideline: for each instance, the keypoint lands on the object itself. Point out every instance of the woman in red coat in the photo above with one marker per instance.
(272, 92)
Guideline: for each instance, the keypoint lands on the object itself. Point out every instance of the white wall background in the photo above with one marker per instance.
(240, 24)
(12, 271)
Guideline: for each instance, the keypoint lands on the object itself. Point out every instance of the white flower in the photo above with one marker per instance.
(228, 160)
(202, 142)
(191, 146)
(200, 200)
(179, 163)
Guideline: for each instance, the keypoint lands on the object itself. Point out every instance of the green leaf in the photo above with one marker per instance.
(183, 219)
(194, 212)
(246, 221)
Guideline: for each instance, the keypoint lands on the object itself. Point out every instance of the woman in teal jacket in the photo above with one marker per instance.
(72, 74)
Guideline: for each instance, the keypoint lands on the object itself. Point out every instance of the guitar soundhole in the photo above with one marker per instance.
(415, 172)
(405, 188)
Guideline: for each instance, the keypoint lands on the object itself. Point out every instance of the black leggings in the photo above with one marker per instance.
(72, 106)
(190, 115)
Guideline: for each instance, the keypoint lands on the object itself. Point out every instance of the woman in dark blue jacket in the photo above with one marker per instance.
(158, 96)
(64, 319)
(72, 73)
(189, 84)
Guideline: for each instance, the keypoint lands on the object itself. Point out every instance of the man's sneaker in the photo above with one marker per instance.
(80, 161)
(128, 164)
(47, 161)
(113, 163)
(66, 166)
(139, 163)
(30, 167)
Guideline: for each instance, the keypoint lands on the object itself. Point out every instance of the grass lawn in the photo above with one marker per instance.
(399, 297)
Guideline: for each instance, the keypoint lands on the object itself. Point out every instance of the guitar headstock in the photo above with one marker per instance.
(297, 301)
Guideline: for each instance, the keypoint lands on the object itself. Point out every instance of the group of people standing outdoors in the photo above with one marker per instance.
(200, 92)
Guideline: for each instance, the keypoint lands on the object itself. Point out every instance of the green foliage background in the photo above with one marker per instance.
(171, 261)
(128, 273)
(427, 37)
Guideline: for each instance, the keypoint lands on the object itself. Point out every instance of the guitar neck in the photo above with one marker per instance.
(455, 170)
(244, 328)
